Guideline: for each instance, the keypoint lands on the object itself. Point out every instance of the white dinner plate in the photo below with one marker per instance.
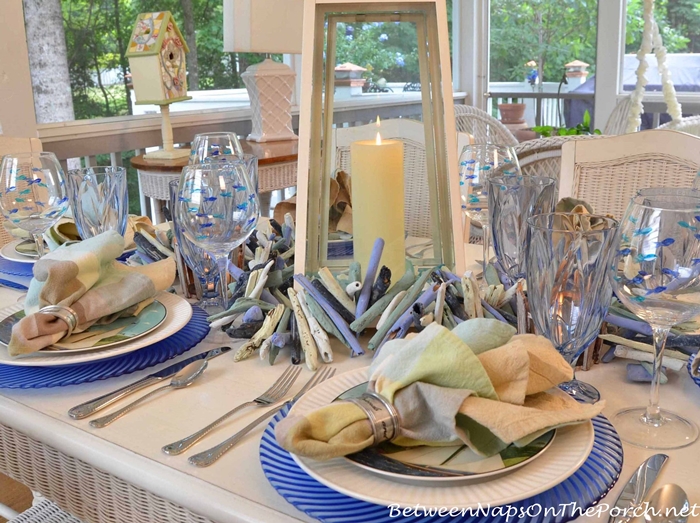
(9, 253)
(568, 452)
(179, 312)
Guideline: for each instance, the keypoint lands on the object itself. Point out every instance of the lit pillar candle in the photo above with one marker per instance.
(376, 167)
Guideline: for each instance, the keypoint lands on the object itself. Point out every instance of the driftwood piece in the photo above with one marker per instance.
(335, 289)
(308, 345)
(341, 325)
(376, 310)
(381, 285)
(323, 344)
(332, 301)
(323, 318)
(410, 297)
(363, 302)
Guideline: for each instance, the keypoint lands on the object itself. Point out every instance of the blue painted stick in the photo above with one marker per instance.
(370, 275)
(628, 323)
(493, 311)
(334, 316)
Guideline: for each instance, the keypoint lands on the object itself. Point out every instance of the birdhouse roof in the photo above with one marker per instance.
(577, 63)
(149, 32)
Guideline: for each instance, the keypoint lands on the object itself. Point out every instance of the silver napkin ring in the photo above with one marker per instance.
(381, 414)
(64, 313)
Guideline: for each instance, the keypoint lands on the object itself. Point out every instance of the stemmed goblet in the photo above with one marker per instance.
(477, 163)
(568, 288)
(33, 193)
(200, 261)
(217, 210)
(656, 275)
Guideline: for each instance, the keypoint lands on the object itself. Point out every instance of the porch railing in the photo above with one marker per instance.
(545, 108)
(123, 137)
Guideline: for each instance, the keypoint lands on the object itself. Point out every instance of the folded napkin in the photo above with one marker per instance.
(65, 231)
(85, 277)
(446, 393)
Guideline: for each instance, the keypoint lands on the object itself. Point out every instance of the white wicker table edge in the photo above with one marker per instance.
(197, 495)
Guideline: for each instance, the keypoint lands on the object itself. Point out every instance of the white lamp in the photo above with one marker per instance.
(266, 26)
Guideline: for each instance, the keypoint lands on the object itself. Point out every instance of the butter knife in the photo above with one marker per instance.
(90, 407)
(637, 489)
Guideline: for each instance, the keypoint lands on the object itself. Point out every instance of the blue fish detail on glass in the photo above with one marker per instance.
(656, 290)
(624, 252)
(642, 232)
(40, 204)
(210, 199)
(36, 181)
(242, 206)
(14, 211)
(473, 199)
(633, 219)
(686, 225)
(638, 298)
(63, 200)
(183, 199)
(646, 257)
(206, 225)
(665, 243)
(36, 169)
(226, 194)
(22, 177)
(218, 216)
(25, 191)
(20, 200)
(670, 272)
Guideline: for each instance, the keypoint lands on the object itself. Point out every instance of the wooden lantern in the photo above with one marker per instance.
(157, 60)
(405, 184)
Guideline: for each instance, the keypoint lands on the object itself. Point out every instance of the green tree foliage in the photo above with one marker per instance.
(677, 20)
(96, 43)
(550, 32)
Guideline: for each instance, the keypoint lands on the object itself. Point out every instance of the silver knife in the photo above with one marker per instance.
(637, 489)
(90, 407)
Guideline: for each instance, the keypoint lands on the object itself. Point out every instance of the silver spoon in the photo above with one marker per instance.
(182, 379)
(669, 504)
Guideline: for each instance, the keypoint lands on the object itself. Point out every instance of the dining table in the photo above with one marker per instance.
(120, 474)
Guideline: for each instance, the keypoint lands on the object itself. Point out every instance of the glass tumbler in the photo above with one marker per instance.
(100, 200)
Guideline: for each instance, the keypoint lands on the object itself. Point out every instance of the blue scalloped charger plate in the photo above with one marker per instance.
(586, 487)
(12, 377)
(16, 268)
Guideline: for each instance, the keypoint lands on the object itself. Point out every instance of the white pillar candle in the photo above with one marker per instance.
(376, 167)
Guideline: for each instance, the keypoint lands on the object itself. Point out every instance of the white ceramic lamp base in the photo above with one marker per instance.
(270, 86)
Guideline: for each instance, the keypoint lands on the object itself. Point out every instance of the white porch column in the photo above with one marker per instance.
(17, 116)
(470, 49)
(609, 56)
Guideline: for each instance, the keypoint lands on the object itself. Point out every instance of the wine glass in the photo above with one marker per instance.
(33, 193)
(477, 163)
(217, 210)
(656, 275)
(200, 261)
(99, 198)
(512, 200)
(569, 292)
(208, 146)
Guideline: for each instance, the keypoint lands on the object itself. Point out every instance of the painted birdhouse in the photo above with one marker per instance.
(157, 61)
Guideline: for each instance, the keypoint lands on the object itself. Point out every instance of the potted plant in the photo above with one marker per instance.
(512, 112)
(545, 131)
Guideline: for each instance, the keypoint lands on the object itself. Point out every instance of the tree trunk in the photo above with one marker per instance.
(48, 61)
(192, 65)
(122, 59)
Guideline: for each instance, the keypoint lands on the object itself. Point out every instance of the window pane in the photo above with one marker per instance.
(97, 34)
(531, 42)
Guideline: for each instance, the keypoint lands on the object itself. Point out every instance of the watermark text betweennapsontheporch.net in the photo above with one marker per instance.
(534, 510)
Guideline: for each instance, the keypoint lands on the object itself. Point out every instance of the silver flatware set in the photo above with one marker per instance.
(183, 374)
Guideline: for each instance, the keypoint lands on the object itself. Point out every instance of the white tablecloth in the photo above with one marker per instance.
(235, 490)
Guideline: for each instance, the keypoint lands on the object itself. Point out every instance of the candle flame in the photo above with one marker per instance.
(379, 136)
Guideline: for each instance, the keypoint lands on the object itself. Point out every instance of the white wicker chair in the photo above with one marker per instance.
(44, 512)
(412, 134)
(482, 126)
(542, 157)
(690, 125)
(9, 145)
(617, 122)
(607, 172)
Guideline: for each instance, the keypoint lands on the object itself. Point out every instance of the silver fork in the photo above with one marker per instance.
(272, 395)
(208, 457)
